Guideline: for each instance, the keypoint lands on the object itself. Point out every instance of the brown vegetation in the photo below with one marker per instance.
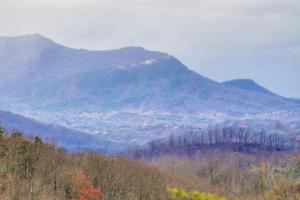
(33, 170)
(236, 176)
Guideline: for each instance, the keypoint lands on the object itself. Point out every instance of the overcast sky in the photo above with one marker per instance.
(220, 39)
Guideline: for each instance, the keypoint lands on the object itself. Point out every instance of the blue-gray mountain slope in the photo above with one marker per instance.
(66, 138)
(37, 72)
(248, 84)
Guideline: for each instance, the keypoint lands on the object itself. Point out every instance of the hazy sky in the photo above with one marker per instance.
(220, 39)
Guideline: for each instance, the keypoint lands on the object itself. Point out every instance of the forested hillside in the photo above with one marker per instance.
(34, 170)
(234, 176)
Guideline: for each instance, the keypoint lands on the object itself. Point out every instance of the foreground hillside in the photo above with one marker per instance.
(236, 176)
(34, 170)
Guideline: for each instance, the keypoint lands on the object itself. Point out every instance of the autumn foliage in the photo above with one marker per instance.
(35, 170)
(179, 194)
(83, 188)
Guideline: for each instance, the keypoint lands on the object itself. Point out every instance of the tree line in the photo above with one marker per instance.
(31, 169)
(233, 138)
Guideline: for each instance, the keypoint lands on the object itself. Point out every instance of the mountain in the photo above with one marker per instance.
(124, 97)
(248, 84)
(66, 138)
(41, 74)
(294, 100)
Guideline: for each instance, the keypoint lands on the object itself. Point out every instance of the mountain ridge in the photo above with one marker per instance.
(248, 84)
(42, 74)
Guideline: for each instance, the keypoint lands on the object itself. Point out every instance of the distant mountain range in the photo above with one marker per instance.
(124, 97)
(39, 73)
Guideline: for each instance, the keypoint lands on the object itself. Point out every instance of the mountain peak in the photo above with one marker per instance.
(133, 48)
(137, 50)
(247, 84)
(245, 81)
(34, 36)
(29, 39)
